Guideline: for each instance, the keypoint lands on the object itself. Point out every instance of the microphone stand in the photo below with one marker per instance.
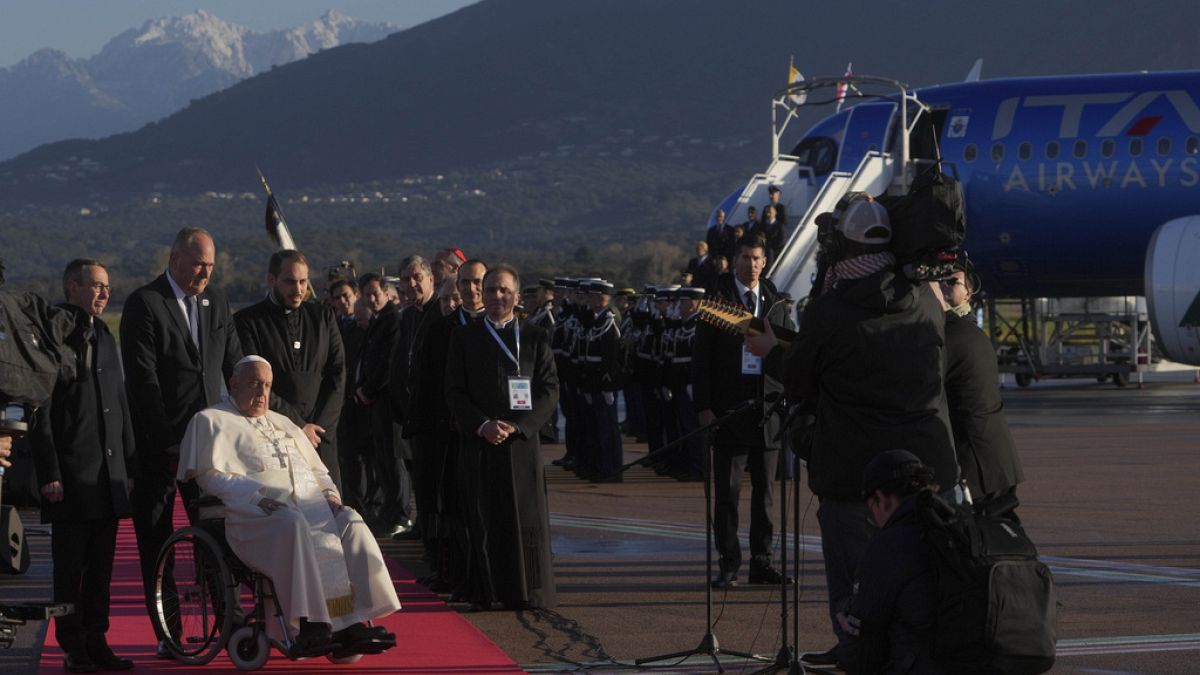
(709, 645)
(787, 658)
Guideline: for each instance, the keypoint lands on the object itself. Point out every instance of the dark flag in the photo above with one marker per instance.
(277, 228)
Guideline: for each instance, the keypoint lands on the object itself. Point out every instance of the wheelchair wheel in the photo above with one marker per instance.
(248, 648)
(194, 593)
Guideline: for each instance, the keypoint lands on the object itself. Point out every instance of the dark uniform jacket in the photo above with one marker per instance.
(600, 353)
(986, 455)
(309, 378)
(427, 409)
(869, 353)
(83, 436)
(166, 379)
(412, 318)
(717, 380)
(894, 602)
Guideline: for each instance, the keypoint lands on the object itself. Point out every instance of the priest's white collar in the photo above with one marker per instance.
(500, 325)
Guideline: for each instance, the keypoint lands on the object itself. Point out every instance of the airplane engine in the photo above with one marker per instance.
(1173, 288)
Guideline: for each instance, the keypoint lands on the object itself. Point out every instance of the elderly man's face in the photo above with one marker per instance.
(444, 266)
(448, 297)
(192, 266)
(250, 388)
(416, 285)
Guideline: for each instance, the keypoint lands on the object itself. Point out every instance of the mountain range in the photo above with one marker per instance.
(674, 82)
(147, 73)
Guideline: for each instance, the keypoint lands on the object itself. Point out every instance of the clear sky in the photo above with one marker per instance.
(81, 27)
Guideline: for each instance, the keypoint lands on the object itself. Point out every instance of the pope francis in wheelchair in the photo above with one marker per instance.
(284, 520)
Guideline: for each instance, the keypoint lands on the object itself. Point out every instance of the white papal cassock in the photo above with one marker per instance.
(325, 568)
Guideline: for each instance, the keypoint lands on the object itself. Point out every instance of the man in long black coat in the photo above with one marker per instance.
(84, 455)
(387, 480)
(983, 443)
(178, 345)
(301, 341)
(725, 377)
(502, 387)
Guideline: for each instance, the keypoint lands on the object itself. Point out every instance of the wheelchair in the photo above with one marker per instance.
(198, 585)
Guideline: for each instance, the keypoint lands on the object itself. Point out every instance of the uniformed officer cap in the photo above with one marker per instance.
(561, 282)
(665, 292)
(690, 293)
(773, 188)
(529, 290)
(626, 292)
(546, 283)
(571, 283)
(892, 465)
(649, 289)
(600, 286)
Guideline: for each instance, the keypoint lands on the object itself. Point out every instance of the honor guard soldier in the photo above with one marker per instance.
(687, 461)
(562, 344)
(601, 378)
(669, 464)
(635, 413)
(650, 363)
(583, 446)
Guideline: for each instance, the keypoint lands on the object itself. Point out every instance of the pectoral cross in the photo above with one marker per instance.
(279, 453)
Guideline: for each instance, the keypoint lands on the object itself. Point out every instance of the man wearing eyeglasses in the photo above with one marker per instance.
(83, 453)
(982, 441)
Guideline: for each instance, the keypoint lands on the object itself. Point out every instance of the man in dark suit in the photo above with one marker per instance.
(416, 287)
(726, 377)
(983, 443)
(83, 452)
(502, 387)
(302, 343)
(179, 345)
(386, 484)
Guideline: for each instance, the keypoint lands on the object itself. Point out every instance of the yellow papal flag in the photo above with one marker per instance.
(795, 76)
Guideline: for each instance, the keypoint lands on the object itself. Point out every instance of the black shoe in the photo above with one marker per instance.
(79, 662)
(768, 575)
(314, 639)
(105, 659)
(362, 639)
(725, 579)
(163, 651)
(825, 658)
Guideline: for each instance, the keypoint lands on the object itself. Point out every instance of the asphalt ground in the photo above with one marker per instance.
(1110, 498)
(1112, 478)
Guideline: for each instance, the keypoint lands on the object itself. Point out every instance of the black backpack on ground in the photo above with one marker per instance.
(996, 605)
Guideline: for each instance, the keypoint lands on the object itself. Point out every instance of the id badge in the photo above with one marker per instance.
(520, 393)
(751, 364)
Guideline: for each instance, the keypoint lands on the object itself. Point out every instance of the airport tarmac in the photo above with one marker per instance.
(1110, 499)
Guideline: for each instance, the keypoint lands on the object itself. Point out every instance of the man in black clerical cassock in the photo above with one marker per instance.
(302, 342)
(501, 386)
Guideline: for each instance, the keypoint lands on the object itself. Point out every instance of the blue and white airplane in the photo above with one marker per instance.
(1075, 186)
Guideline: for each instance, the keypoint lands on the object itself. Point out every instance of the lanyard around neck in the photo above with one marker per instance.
(496, 336)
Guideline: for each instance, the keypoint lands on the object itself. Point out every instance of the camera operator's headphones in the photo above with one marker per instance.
(963, 262)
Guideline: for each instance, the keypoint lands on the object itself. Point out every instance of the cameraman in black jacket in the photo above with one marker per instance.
(869, 354)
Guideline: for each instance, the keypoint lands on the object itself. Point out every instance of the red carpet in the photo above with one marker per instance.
(431, 637)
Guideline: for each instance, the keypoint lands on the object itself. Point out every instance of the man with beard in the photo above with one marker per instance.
(302, 343)
(502, 387)
(178, 341)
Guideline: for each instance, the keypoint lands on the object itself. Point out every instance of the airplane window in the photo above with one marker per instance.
(969, 152)
(1024, 150)
(1107, 148)
(1052, 150)
(997, 152)
(1080, 150)
(1135, 147)
(1164, 146)
(819, 153)
(1193, 145)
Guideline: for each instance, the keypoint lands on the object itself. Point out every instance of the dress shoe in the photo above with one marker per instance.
(403, 527)
(163, 651)
(105, 659)
(360, 638)
(725, 579)
(314, 639)
(79, 662)
(768, 575)
(823, 659)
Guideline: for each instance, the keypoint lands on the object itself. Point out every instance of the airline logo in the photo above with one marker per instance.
(1123, 114)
